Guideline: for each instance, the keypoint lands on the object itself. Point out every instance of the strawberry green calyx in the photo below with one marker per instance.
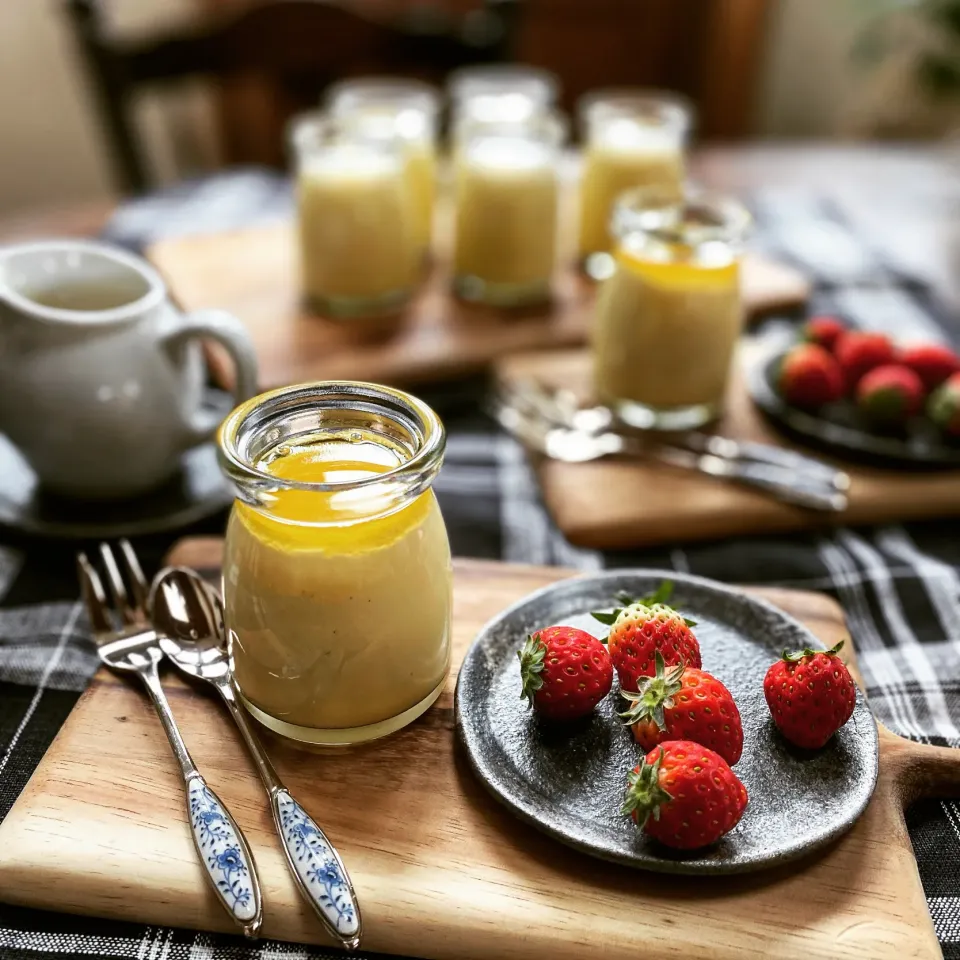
(654, 694)
(644, 796)
(798, 655)
(531, 656)
(657, 599)
(943, 407)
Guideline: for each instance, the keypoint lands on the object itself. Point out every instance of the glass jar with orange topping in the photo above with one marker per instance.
(669, 317)
(336, 575)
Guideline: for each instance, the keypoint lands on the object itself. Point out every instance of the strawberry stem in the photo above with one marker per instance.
(531, 656)
(798, 655)
(644, 796)
(659, 597)
(654, 694)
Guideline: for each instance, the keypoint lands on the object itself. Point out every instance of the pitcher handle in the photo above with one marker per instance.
(224, 328)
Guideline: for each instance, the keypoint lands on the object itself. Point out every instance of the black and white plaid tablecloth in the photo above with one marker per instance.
(899, 584)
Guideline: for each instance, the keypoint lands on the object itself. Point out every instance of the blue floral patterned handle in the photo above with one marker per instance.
(318, 869)
(225, 855)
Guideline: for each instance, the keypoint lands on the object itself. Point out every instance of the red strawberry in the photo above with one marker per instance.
(825, 331)
(810, 695)
(684, 795)
(684, 703)
(943, 407)
(931, 362)
(858, 353)
(809, 376)
(890, 394)
(642, 628)
(565, 672)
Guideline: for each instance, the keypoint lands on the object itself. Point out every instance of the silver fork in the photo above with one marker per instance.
(562, 408)
(128, 643)
(574, 446)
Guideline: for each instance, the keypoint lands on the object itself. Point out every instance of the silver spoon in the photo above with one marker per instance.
(188, 617)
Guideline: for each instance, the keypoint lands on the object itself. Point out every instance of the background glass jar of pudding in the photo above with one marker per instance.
(507, 192)
(388, 107)
(359, 251)
(668, 319)
(337, 575)
(632, 139)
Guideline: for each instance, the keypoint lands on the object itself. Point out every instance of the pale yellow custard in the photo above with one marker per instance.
(339, 603)
(420, 169)
(625, 155)
(506, 219)
(665, 332)
(358, 231)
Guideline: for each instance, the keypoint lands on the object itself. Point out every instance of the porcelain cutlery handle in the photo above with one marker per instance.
(317, 868)
(221, 845)
(313, 860)
(225, 855)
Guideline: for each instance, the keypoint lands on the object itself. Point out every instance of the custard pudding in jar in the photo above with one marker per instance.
(357, 221)
(633, 139)
(337, 575)
(505, 236)
(406, 110)
(668, 319)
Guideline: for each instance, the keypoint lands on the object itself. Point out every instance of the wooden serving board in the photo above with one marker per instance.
(253, 274)
(644, 502)
(441, 870)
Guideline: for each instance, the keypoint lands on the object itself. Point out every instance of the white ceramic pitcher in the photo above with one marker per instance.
(101, 377)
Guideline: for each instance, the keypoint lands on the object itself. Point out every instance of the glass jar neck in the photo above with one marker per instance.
(317, 135)
(546, 129)
(622, 119)
(361, 450)
(700, 228)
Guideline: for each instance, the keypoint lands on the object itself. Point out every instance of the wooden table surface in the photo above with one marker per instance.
(906, 196)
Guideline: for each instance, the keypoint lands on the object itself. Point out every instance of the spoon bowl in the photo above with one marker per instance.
(188, 616)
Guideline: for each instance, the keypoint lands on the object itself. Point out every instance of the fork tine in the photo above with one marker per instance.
(138, 582)
(93, 595)
(115, 582)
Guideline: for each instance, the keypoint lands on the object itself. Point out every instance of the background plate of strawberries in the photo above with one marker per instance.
(861, 394)
(565, 768)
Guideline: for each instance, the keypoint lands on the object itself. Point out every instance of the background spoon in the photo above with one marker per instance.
(188, 617)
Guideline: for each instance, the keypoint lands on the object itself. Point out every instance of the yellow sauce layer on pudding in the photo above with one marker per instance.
(339, 602)
(665, 333)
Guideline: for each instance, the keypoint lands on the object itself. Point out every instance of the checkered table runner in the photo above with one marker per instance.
(899, 584)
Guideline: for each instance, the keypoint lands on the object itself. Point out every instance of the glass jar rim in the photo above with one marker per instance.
(665, 108)
(699, 215)
(408, 92)
(539, 84)
(319, 128)
(426, 458)
(550, 124)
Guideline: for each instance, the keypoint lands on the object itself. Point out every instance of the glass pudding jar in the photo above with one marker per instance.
(336, 575)
(632, 139)
(507, 194)
(389, 107)
(357, 225)
(669, 317)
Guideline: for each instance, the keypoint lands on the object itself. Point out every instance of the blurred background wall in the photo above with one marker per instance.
(51, 150)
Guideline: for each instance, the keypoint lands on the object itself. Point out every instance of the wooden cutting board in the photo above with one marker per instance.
(253, 274)
(442, 871)
(612, 504)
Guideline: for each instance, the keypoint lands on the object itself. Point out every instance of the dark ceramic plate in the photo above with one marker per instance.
(839, 427)
(197, 491)
(568, 780)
